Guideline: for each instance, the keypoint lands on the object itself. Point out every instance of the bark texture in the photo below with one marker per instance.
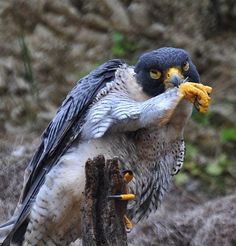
(102, 217)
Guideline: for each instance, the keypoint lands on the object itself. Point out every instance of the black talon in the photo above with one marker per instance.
(197, 104)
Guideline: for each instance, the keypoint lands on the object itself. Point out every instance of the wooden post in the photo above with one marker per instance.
(102, 218)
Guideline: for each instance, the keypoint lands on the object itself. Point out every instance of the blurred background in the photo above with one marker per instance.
(46, 46)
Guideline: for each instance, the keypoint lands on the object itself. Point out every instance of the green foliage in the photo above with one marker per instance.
(214, 170)
(26, 58)
(191, 151)
(193, 168)
(122, 45)
(203, 119)
(181, 179)
(83, 73)
(215, 175)
(228, 134)
(217, 167)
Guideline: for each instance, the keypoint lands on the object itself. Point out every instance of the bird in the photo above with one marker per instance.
(136, 113)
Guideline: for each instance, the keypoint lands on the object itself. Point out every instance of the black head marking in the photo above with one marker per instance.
(162, 59)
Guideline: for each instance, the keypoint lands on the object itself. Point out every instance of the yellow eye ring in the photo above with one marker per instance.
(155, 74)
(186, 66)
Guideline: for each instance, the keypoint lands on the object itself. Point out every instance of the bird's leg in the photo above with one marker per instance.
(198, 94)
(128, 176)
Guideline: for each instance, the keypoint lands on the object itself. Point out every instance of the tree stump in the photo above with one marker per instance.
(102, 218)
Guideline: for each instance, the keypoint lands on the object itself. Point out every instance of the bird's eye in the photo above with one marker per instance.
(155, 74)
(186, 66)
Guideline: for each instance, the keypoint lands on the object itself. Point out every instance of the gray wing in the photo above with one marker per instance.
(59, 135)
(66, 125)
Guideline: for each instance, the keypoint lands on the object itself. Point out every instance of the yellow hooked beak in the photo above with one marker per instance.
(173, 77)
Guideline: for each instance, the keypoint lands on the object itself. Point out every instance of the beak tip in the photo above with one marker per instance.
(176, 80)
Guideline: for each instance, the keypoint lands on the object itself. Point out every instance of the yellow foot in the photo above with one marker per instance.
(197, 93)
(128, 176)
(123, 197)
(128, 224)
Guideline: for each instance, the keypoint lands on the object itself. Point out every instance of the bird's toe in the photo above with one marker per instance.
(128, 224)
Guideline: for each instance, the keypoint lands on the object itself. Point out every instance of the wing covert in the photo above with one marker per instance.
(67, 119)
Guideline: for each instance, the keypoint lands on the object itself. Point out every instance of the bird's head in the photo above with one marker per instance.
(164, 68)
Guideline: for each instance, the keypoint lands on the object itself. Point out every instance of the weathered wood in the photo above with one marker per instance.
(102, 218)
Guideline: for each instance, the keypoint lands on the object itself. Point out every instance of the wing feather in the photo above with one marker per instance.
(60, 134)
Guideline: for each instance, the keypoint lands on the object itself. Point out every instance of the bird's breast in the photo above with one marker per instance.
(133, 149)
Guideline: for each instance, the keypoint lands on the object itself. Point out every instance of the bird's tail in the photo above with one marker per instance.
(5, 230)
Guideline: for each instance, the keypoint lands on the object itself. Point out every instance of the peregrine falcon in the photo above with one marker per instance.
(136, 113)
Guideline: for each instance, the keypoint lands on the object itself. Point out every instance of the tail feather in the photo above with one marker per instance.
(5, 230)
(10, 235)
